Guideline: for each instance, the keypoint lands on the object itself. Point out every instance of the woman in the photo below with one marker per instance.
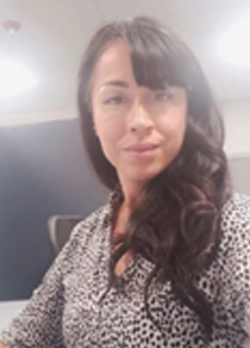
(165, 263)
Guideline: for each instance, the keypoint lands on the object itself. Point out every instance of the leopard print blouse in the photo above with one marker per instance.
(65, 310)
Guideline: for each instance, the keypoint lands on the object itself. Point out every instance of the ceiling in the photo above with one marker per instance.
(55, 32)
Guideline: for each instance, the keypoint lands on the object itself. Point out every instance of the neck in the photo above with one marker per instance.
(131, 193)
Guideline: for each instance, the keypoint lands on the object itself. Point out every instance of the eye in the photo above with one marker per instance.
(162, 95)
(115, 100)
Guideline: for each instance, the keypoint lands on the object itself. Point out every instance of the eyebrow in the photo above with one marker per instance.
(117, 83)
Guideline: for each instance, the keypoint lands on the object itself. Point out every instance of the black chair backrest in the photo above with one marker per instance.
(59, 229)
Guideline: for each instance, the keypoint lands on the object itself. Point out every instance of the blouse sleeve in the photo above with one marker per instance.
(39, 324)
(237, 263)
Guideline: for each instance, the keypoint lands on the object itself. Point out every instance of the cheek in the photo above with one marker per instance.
(174, 125)
(107, 127)
(109, 134)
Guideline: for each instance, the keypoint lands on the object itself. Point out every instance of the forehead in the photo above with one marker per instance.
(113, 64)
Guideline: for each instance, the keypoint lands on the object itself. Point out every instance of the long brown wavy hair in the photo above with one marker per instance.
(176, 224)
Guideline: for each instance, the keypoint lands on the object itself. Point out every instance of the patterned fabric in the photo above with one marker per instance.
(65, 311)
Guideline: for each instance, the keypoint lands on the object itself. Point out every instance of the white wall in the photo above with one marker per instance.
(237, 123)
(38, 117)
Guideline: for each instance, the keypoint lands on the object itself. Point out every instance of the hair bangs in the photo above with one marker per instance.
(156, 62)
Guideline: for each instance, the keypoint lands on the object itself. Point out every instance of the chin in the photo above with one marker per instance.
(144, 177)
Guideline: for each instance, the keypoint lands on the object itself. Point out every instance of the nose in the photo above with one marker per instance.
(139, 119)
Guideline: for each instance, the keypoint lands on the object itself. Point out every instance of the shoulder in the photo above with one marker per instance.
(87, 227)
(234, 260)
(227, 280)
(82, 237)
(234, 250)
(238, 207)
(235, 222)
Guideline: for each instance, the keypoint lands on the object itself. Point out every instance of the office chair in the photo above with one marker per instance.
(59, 229)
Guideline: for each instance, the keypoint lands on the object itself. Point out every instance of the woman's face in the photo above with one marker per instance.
(140, 130)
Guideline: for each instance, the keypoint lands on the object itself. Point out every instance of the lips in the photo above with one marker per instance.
(140, 148)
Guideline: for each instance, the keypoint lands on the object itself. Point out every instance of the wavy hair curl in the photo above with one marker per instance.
(176, 224)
